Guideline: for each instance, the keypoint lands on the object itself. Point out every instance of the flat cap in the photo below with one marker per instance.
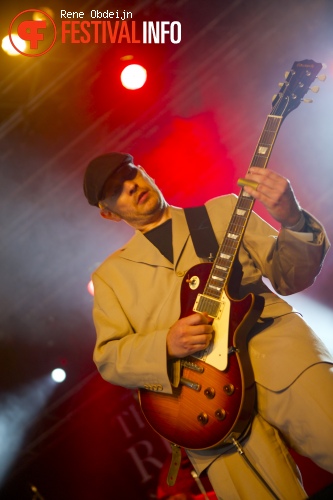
(98, 172)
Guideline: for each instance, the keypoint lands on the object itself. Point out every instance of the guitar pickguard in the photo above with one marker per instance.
(216, 354)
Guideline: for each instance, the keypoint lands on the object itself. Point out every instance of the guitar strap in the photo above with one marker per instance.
(203, 236)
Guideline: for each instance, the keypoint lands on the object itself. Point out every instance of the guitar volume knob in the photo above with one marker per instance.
(209, 392)
(220, 414)
(203, 418)
(229, 389)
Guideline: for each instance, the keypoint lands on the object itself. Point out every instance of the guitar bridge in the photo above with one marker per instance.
(190, 384)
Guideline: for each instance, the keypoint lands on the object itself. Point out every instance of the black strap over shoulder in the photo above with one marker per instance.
(203, 237)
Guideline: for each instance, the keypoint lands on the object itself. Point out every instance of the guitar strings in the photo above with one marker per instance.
(224, 260)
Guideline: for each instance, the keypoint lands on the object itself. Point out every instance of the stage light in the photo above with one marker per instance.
(90, 287)
(39, 16)
(133, 77)
(18, 412)
(8, 47)
(58, 375)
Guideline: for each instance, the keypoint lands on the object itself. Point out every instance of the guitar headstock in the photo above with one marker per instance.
(296, 85)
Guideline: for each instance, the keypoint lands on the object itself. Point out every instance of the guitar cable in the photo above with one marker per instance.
(257, 473)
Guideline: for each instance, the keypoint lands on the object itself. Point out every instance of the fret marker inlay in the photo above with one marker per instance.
(222, 268)
(224, 256)
(262, 150)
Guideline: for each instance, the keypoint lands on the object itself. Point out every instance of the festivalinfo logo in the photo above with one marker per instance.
(38, 31)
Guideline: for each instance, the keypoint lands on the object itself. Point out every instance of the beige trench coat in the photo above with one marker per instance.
(137, 299)
(137, 294)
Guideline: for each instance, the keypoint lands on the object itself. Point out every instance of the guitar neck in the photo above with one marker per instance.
(266, 141)
(226, 255)
(297, 83)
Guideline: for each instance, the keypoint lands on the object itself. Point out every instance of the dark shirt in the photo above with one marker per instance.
(161, 237)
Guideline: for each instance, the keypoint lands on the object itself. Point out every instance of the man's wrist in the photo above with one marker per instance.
(300, 224)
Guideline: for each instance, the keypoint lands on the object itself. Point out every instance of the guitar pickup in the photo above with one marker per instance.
(213, 307)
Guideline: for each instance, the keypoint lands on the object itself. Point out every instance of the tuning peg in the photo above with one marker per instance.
(274, 97)
(307, 101)
(287, 73)
(322, 78)
(315, 89)
(281, 84)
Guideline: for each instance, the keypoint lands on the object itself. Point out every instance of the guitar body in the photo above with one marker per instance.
(223, 407)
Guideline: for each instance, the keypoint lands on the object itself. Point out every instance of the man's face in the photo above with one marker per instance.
(133, 196)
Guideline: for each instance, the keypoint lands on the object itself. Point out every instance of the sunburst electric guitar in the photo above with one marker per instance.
(215, 400)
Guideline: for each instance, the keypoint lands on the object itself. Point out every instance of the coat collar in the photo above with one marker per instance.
(140, 249)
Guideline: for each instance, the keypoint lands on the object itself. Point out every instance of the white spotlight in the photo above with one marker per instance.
(8, 47)
(133, 77)
(58, 375)
(18, 412)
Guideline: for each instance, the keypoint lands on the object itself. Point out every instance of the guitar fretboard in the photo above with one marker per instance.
(221, 268)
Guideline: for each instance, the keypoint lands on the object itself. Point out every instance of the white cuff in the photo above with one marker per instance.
(299, 225)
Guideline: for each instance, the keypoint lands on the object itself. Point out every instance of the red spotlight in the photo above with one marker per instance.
(133, 77)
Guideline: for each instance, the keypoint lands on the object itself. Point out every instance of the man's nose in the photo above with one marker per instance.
(130, 186)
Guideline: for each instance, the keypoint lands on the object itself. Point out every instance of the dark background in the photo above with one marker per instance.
(194, 127)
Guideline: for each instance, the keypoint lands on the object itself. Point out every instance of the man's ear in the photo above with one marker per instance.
(106, 214)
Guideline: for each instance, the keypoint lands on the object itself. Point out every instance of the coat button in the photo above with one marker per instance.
(180, 273)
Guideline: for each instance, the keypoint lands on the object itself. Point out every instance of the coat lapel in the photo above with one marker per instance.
(180, 233)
